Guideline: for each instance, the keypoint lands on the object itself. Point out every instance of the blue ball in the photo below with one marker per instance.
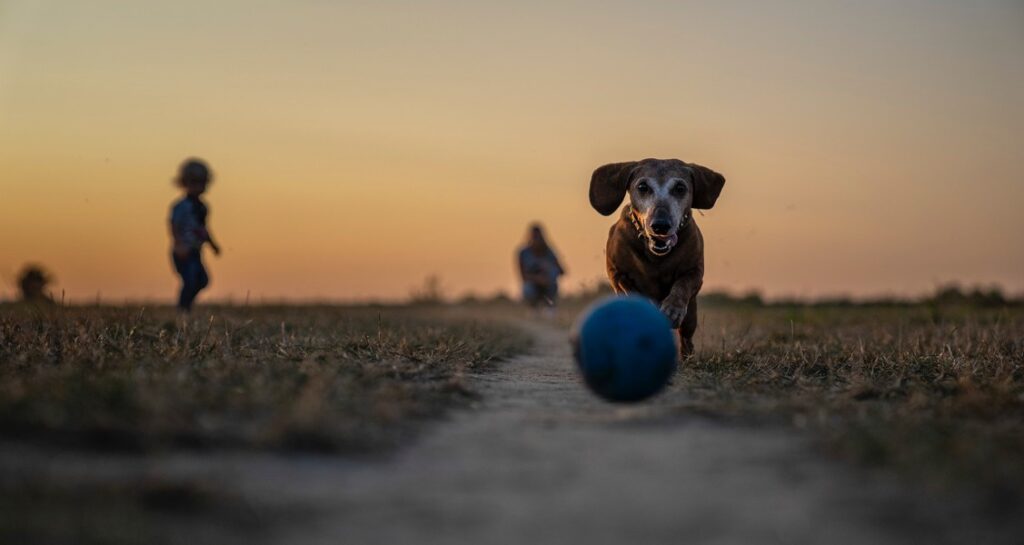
(625, 348)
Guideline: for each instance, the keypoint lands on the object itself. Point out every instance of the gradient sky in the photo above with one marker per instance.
(870, 147)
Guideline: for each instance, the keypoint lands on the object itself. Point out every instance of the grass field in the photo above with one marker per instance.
(924, 389)
(281, 378)
(935, 393)
(136, 382)
(932, 393)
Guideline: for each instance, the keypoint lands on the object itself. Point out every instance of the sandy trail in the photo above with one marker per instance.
(540, 460)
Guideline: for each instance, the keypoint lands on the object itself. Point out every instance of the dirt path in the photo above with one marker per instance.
(539, 460)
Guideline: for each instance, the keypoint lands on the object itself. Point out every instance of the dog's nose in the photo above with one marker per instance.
(661, 226)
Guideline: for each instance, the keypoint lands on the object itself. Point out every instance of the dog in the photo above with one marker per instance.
(655, 249)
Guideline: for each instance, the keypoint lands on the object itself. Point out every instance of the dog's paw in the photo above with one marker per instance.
(674, 313)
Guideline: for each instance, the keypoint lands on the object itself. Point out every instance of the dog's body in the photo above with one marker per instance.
(655, 249)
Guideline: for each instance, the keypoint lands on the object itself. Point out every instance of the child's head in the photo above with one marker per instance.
(536, 238)
(193, 176)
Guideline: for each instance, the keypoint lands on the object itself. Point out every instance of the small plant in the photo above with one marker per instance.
(430, 293)
(33, 282)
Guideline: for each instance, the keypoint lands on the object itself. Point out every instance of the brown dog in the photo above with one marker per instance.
(656, 249)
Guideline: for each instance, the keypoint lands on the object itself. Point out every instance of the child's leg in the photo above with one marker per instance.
(181, 267)
(552, 293)
(184, 301)
(188, 287)
(530, 294)
(193, 280)
(203, 279)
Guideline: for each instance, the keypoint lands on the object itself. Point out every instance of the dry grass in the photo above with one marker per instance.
(937, 393)
(290, 377)
(332, 379)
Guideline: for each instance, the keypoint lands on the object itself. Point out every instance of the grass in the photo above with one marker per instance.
(157, 511)
(321, 378)
(931, 392)
(134, 381)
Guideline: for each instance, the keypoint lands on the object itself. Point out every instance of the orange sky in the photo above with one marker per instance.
(869, 147)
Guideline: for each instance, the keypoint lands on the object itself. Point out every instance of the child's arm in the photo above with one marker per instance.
(559, 269)
(213, 244)
(206, 236)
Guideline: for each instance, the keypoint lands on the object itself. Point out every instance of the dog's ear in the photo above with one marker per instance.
(608, 186)
(707, 186)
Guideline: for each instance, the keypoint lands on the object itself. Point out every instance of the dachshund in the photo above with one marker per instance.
(655, 248)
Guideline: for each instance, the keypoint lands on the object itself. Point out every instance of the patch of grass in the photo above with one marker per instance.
(323, 378)
(351, 380)
(140, 511)
(937, 393)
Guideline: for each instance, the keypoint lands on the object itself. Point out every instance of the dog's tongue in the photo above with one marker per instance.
(662, 245)
(669, 240)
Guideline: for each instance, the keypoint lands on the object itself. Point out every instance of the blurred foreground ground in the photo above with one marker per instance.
(792, 425)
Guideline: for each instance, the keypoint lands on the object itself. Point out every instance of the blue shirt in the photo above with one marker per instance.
(188, 222)
(546, 264)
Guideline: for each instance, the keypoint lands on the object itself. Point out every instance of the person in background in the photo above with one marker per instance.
(189, 232)
(539, 269)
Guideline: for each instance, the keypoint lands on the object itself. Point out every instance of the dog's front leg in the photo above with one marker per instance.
(676, 305)
(621, 283)
(681, 309)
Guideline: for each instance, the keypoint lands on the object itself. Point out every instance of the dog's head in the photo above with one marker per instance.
(661, 194)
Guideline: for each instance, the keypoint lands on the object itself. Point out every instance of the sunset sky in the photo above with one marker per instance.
(870, 147)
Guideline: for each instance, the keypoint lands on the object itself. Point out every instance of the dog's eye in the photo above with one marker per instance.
(642, 188)
(679, 190)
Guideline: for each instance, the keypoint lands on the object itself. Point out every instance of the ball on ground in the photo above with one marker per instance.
(625, 348)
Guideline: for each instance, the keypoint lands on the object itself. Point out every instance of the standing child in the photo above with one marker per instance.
(189, 232)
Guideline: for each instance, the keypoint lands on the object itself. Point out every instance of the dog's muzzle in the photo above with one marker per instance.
(660, 245)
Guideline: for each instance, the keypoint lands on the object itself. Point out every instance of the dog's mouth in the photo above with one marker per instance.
(661, 244)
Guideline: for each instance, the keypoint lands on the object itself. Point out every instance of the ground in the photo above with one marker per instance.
(791, 425)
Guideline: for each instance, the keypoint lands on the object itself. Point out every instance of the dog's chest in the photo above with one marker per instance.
(653, 277)
(632, 267)
(655, 282)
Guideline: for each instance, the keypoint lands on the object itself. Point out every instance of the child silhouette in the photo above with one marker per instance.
(189, 231)
(539, 270)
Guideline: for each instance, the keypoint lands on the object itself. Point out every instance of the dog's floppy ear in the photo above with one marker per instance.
(707, 186)
(608, 186)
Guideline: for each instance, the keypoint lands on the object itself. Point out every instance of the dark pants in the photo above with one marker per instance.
(193, 278)
(536, 294)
